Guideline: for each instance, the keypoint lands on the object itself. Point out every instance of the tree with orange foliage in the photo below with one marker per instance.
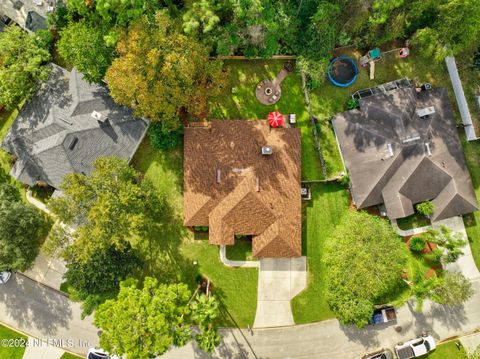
(161, 73)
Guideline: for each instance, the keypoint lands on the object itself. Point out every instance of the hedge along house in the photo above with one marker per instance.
(243, 178)
(65, 126)
(401, 147)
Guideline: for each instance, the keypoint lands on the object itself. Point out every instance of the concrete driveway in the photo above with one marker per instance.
(465, 264)
(279, 280)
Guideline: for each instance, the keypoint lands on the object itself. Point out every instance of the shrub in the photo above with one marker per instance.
(417, 244)
(352, 104)
(44, 39)
(426, 208)
(163, 140)
(313, 84)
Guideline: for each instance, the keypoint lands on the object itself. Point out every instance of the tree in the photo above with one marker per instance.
(20, 231)
(252, 29)
(83, 45)
(365, 258)
(426, 208)
(449, 243)
(146, 322)
(455, 30)
(161, 72)
(163, 140)
(112, 206)
(201, 17)
(22, 65)
(99, 277)
(454, 289)
(204, 312)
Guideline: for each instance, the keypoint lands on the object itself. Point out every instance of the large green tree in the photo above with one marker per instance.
(160, 72)
(365, 258)
(22, 65)
(99, 277)
(146, 322)
(20, 231)
(83, 45)
(112, 206)
(456, 30)
(453, 289)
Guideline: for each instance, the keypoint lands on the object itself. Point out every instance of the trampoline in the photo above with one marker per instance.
(342, 71)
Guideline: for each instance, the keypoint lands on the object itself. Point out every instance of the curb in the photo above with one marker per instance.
(43, 284)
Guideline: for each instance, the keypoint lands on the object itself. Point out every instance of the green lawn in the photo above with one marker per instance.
(241, 250)
(239, 102)
(11, 352)
(450, 350)
(328, 204)
(414, 221)
(6, 120)
(70, 356)
(472, 221)
(171, 251)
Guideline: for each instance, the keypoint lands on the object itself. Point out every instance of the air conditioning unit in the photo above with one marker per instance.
(98, 116)
(267, 150)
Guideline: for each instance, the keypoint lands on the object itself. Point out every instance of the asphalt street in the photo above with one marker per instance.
(45, 313)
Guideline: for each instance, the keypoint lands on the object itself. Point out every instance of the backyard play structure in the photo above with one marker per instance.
(342, 71)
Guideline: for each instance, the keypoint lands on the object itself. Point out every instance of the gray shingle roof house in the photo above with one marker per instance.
(66, 125)
(29, 14)
(401, 147)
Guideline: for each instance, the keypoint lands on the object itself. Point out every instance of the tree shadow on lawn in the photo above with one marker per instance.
(160, 250)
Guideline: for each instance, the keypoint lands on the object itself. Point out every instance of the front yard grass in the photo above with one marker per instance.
(70, 356)
(320, 216)
(241, 250)
(172, 254)
(239, 102)
(450, 350)
(416, 220)
(11, 352)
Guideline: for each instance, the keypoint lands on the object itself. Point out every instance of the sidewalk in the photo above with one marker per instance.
(37, 349)
(47, 270)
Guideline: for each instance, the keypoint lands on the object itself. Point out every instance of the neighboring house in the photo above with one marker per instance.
(243, 178)
(65, 126)
(29, 14)
(401, 147)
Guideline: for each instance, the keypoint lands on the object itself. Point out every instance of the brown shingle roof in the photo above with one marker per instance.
(395, 157)
(232, 188)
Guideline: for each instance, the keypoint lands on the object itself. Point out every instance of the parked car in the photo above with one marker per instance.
(98, 353)
(5, 277)
(416, 347)
(383, 315)
(379, 354)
